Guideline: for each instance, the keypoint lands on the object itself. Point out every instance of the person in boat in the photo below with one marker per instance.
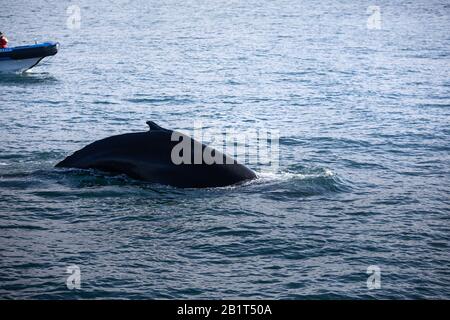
(3, 41)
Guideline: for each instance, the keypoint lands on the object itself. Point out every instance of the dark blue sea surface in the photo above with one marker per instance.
(364, 175)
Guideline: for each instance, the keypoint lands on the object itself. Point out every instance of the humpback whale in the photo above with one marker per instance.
(156, 156)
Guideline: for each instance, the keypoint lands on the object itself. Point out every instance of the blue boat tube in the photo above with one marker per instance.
(22, 58)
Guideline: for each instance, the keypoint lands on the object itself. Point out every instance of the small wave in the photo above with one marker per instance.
(12, 156)
(26, 78)
(343, 142)
(21, 227)
(309, 182)
(292, 141)
(287, 175)
(104, 102)
(161, 100)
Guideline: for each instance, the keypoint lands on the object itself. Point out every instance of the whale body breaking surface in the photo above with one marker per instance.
(149, 156)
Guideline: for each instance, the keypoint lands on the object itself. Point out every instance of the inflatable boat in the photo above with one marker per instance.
(20, 59)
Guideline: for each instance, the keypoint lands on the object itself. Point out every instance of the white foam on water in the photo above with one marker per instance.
(268, 176)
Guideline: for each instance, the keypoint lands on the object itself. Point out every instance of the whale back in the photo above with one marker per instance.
(148, 156)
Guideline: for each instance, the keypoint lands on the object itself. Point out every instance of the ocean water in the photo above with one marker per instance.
(364, 175)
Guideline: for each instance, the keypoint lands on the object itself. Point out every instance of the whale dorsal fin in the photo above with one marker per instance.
(154, 127)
